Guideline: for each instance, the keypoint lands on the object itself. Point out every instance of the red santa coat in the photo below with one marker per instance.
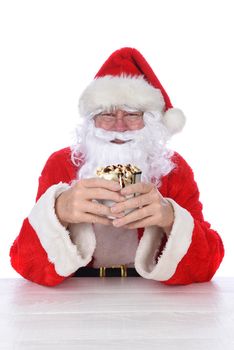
(44, 253)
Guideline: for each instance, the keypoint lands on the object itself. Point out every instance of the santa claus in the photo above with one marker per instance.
(160, 233)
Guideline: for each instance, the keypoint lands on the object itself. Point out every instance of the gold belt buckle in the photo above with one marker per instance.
(102, 270)
(123, 271)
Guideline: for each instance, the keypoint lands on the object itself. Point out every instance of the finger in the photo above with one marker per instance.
(99, 209)
(132, 203)
(99, 182)
(133, 216)
(140, 187)
(102, 193)
(95, 219)
(140, 223)
(95, 208)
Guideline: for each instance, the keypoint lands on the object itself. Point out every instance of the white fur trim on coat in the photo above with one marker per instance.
(106, 92)
(66, 256)
(175, 249)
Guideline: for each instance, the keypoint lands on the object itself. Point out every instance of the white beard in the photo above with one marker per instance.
(146, 149)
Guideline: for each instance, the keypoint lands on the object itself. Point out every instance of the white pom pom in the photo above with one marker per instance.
(174, 120)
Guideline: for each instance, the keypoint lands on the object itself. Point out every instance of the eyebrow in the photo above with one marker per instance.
(126, 112)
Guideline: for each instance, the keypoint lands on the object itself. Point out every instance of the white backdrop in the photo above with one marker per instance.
(50, 51)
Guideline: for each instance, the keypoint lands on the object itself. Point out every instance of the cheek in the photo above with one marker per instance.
(137, 127)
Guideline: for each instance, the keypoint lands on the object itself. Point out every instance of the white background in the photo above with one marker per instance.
(50, 51)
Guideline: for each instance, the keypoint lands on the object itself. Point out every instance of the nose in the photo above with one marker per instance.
(120, 125)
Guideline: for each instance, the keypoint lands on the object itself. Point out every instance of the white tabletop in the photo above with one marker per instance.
(116, 313)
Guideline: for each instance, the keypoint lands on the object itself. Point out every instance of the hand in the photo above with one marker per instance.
(151, 208)
(75, 204)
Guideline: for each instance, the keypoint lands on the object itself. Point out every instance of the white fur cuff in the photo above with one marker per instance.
(55, 239)
(176, 247)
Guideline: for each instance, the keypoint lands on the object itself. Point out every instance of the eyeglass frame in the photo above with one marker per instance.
(137, 117)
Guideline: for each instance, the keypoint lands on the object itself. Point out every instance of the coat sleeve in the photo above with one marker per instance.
(193, 250)
(43, 251)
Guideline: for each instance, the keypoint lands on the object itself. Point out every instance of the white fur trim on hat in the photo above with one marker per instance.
(106, 92)
(174, 120)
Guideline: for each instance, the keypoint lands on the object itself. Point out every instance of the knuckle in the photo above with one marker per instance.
(78, 192)
(138, 201)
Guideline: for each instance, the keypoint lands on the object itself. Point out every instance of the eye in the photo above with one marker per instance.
(108, 114)
(134, 114)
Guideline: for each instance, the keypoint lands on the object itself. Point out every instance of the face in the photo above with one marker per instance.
(119, 120)
(144, 146)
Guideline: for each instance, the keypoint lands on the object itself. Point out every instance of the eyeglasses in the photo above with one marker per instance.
(128, 117)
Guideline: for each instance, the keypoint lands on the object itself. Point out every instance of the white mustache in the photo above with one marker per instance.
(112, 135)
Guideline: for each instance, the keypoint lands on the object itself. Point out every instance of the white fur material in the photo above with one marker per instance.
(174, 120)
(66, 256)
(106, 92)
(176, 247)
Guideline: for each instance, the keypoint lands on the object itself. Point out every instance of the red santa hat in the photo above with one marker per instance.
(126, 79)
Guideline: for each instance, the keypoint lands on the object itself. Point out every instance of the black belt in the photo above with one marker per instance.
(115, 271)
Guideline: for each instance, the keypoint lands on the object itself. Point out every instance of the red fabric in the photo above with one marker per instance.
(130, 62)
(30, 260)
(198, 265)
(28, 257)
(206, 250)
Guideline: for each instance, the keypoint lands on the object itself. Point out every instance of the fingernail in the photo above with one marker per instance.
(113, 209)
